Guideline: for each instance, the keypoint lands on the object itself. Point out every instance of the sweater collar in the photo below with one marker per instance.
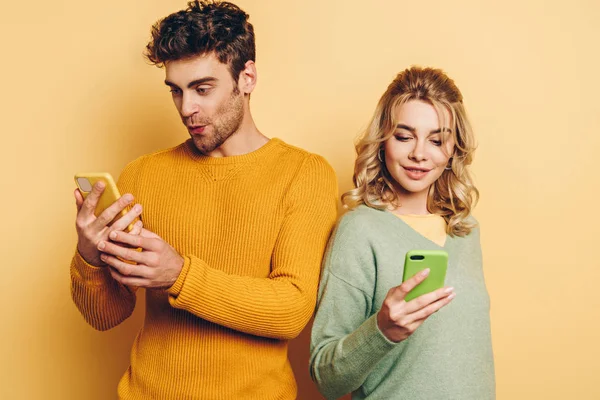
(195, 155)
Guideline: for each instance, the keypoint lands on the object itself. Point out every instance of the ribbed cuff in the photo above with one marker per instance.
(88, 273)
(175, 289)
(368, 343)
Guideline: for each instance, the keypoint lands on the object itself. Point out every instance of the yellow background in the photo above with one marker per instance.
(77, 95)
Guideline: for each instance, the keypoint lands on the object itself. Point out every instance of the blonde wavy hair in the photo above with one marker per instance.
(453, 195)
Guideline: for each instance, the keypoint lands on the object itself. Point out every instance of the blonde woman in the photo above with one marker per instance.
(413, 191)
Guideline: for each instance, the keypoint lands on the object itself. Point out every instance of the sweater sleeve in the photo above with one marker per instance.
(346, 343)
(280, 305)
(103, 302)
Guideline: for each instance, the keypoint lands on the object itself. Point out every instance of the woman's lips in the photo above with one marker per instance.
(416, 173)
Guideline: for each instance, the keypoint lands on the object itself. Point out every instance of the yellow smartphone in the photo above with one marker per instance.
(85, 182)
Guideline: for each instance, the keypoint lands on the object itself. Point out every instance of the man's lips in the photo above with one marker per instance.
(196, 129)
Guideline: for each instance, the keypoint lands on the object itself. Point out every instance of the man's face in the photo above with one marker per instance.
(209, 102)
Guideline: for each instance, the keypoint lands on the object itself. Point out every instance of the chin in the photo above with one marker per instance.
(204, 144)
(415, 189)
(411, 186)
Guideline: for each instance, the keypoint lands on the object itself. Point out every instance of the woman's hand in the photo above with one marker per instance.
(398, 319)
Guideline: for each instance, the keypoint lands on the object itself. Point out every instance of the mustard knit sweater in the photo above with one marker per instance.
(252, 230)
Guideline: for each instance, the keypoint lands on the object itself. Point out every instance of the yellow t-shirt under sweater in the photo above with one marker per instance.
(431, 226)
(252, 230)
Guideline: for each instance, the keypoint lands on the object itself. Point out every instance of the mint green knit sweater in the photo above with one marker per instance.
(448, 357)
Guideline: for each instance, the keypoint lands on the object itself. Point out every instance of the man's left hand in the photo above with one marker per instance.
(158, 264)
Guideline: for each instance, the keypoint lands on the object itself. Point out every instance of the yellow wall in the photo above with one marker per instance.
(77, 95)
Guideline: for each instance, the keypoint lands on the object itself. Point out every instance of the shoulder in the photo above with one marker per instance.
(305, 171)
(471, 241)
(359, 224)
(291, 150)
(472, 220)
(158, 157)
(475, 224)
(350, 254)
(304, 160)
(362, 216)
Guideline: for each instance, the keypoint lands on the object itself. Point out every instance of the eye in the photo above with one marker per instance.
(202, 90)
(175, 91)
(437, 142)
(402, 138)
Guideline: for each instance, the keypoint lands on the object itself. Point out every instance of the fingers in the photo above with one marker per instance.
(125, 270)
(148, 234)
(108, 248)
(127, 280)
(91, 201)
(137, 228)
(122, 223)
(400, 292)
(112, 211)
(78, 199)
(425, 312)
(428, 298)
(146, 243)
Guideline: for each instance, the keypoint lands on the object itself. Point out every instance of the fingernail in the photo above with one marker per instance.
(101, 246)
(128, 198)
(100, 185)
(113, 235)
(451, 296)
(103, 257)
(425, 272)
(448, 290)
(137, 208)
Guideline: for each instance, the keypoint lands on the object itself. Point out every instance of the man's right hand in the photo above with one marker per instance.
(91, 229)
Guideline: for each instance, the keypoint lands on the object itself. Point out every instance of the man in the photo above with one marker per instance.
(234, 229)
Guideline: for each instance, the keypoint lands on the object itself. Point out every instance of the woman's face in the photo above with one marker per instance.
(415, 156)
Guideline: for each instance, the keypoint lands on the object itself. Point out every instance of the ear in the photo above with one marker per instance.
(247, 78)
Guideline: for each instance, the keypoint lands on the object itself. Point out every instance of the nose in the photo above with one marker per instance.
(417, 153)
(189, 106)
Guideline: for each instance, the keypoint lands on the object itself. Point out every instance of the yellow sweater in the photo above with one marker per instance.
(252, 230)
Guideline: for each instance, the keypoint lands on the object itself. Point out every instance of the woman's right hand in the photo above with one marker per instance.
(398, 319)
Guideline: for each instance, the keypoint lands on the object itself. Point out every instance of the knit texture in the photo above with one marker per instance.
(252, 230)
(448, 357)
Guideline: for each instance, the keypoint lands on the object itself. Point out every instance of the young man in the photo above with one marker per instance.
(234, 229)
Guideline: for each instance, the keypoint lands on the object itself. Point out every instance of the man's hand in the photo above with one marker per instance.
(158, 264)
(398, 319)
(91, 230)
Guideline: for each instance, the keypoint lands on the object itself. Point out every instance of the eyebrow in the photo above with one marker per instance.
(413, 130)
(208, 79)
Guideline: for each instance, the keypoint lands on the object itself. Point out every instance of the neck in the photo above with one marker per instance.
(411, 203)
(243, 141)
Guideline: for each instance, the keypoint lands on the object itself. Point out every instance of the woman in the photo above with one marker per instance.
(413, 191)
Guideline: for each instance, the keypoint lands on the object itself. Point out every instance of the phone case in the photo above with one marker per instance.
(416, 261)
(108, 197)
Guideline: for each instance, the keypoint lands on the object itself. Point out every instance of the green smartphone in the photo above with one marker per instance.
(416, 261)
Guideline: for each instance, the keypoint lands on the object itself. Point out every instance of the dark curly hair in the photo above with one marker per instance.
(204, 27)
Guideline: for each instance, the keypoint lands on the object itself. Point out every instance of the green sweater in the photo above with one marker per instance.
(448, 357)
